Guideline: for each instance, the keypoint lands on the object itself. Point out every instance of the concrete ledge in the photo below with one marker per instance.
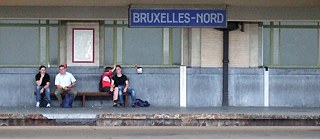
(160, 116)
(109, 119)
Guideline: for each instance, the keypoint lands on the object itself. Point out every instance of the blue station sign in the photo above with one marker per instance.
(177, 17)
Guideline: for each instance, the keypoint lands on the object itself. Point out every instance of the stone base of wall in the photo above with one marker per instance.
(109, 119)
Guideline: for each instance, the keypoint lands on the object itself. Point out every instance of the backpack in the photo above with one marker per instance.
(67, 101)
(100, 83)
(142, 103)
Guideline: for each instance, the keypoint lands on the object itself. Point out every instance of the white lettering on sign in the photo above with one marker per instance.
(136, 17)
(143, 17)
(161, 18)
(186, 18)
(179, 18)
(209, 18)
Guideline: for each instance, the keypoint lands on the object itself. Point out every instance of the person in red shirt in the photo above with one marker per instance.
(106, 80)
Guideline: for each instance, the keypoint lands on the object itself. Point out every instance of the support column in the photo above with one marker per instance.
(166, 56)
(225, 94)
(119, 45)
(183, 86)
(266, 87)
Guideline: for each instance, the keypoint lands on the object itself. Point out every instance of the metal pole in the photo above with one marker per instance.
(225, 61)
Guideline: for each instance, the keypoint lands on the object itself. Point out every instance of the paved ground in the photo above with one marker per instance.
(165, 110)
(85, 132)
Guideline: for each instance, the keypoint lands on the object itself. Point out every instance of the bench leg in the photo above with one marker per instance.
(83, 101)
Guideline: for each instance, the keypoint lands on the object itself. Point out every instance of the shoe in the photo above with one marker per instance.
(38, 104)
(48, 105)
(121, 105)
(133, 105)
(115, 105)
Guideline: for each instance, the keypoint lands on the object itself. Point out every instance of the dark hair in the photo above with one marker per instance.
(42, 66)
(62, 66)
(118, 66)
(107, 68)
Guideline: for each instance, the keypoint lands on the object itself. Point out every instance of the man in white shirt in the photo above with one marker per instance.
(64, 82)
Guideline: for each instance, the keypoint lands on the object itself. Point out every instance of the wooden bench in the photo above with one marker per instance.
(97, 94)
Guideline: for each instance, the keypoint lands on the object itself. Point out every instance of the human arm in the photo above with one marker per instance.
(39, 78)
(111, 86)
(59, 87)
(46, 86)
(114, 68)
(126, 86)
(70, 86)
(58, 82)
(43, 78)
(73, 81)
(46, 79)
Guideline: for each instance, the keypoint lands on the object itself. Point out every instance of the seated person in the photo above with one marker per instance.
(106, 80)
(43, 84)
(64, 82)
(121, 84)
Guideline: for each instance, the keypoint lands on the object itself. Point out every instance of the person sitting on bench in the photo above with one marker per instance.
(43, 86)
(64, 82)
(106, 80)
(121, 84)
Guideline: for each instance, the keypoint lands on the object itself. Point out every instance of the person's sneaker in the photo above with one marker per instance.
(121, 105)
(48, 105)
(133, 105)
(38, 104)
(115, 105)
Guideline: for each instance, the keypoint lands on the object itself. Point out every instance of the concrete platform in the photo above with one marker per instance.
(160, 116)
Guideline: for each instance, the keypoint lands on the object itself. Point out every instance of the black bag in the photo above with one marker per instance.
(142, 103)
(67, 101)
(43, 100)
(100, 84)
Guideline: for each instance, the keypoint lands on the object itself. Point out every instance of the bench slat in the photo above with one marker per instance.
(96, 94)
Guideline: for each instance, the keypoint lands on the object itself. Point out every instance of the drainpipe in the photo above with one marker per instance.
(225, 60)
(225, 92)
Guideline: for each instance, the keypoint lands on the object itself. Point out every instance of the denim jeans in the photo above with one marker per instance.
(130, 91)
(46, 91)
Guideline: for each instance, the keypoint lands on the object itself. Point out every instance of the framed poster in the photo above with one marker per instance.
(83, 45)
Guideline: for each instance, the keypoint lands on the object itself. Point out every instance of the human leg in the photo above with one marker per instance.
(58, 93)
(115, 96)
(115, 93)
(120, 95)
(73, 92)
(38, 95)
(47, 93)
(132, 93)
